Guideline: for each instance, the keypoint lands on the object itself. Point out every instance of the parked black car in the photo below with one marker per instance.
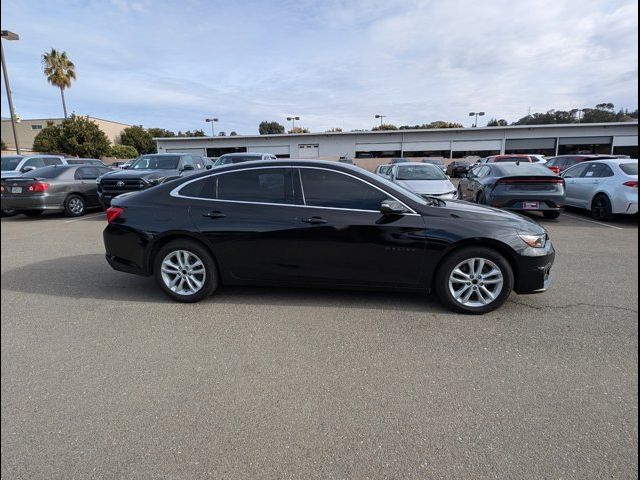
(148, 171)
(70, 188)
(458, 168)
(324, 224)
(513, 186)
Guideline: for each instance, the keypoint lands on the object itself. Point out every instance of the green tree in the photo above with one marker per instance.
(189, 133)
(299, 130)
(160, 133)
(123, 151)
(494, 122)
(335, 129)
(3, 146)
(270, 128)
(76, 135)
(138, 138)
(443, 124)
(233, 133)
(60, 71)
(384, 126)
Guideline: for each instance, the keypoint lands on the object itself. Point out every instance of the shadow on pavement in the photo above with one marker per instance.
(89, 276)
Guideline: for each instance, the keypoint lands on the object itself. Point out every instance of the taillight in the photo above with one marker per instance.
(631, 183)
(38, 187)
(113, 213)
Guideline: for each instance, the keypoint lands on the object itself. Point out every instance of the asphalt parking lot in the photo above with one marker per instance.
(104, 377)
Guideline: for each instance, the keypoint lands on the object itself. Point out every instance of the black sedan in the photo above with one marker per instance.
(515, 186)
(323, 224)
(68, 188)
(458, 168)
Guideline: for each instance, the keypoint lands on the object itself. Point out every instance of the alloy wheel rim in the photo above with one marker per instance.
(476, 282)
(76, 205)
(183, 272)
(600, 208)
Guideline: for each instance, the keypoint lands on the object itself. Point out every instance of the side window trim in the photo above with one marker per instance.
(176, 191)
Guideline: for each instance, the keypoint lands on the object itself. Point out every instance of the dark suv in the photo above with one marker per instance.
(148, 171)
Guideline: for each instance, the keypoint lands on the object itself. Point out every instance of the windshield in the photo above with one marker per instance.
(629, 168)
(393, 188)
(420, 172)
(156, 162)
(10, 163)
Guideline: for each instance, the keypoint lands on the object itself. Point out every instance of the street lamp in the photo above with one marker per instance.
(293, 121)
(212, 120)
(477, 114)
(380, 117)
(7, 35)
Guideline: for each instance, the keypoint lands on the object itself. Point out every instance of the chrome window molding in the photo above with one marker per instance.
(176, 191)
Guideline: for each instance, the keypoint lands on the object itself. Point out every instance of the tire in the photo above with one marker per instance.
(32, 213)
(481, 199)
(447, 284)
(8, 213)
(196, 253)
(551, 215)
(460, 196)
(75, 206)
(601, 208)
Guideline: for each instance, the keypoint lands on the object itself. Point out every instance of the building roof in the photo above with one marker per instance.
(381, 132)
(4, 119)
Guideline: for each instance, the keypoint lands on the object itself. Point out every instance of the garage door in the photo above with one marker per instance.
(275, 149)
(476, 145)
(308, 151)
(426, 146)
(625, 141)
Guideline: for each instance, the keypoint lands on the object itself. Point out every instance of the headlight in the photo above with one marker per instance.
(534, 241)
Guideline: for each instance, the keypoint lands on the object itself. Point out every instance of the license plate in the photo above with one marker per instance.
(16, 189)
(530, 205)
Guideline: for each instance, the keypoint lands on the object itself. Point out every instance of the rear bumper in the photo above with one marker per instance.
(523, 202)
(534, 274)
(125, 249)
(36, 202)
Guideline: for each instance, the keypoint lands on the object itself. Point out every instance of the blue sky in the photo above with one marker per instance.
(334, 63)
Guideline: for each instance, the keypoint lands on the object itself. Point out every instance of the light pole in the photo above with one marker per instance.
(293, 121)
(212, 120)
(7, 35)
(477, 114)
(380, 117)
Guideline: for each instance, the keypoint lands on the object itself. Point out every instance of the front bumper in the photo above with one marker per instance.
(534, 273)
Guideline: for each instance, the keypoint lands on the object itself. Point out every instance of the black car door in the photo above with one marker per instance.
(250, 217)
(345, 240)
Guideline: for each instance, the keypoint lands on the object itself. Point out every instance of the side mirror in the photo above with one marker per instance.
(125, 166)
(209, 167)
(27, 169)
(187, 167)
(392, 207)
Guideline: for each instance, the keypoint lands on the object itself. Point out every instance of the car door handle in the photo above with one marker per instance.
(214, 214)
(315, 220)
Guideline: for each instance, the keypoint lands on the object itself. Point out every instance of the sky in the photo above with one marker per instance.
(334, 63)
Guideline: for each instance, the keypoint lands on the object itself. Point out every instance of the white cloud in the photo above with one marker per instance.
(335, 63)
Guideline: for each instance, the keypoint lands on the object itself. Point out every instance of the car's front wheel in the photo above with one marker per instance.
(185, 271)
(474, 280)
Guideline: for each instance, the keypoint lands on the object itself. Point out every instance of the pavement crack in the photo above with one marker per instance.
(573, 305)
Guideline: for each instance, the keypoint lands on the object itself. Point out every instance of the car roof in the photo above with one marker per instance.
(244, 154)
(614, 161)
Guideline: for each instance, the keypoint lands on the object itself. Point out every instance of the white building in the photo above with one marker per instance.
(619, 137)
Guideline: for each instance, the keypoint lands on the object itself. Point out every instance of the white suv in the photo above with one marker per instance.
(16, 165)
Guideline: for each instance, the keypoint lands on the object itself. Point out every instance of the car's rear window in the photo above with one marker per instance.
(525, 169)
(511, 159)
(629, 168)
(46, 172)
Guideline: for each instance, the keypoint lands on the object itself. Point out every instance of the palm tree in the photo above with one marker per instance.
(60, 71)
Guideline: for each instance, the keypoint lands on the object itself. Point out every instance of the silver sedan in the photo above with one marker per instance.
(424, 179)
(604, 187)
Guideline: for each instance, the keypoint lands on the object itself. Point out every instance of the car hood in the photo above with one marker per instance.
(479, 213)
(140, 174)
(427, 187)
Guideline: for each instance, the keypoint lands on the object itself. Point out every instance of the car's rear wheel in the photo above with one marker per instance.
(8, 213)
(75, 206)
(551, 215)
(474, 280)
(601, 208)
(481, 198)
(459, 194)
(32, 213)
(185, 271)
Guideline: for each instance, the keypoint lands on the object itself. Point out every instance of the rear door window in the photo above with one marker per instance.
(324, 188)
(599, 170)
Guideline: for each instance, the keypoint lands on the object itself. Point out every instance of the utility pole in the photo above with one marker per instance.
(7, 35)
